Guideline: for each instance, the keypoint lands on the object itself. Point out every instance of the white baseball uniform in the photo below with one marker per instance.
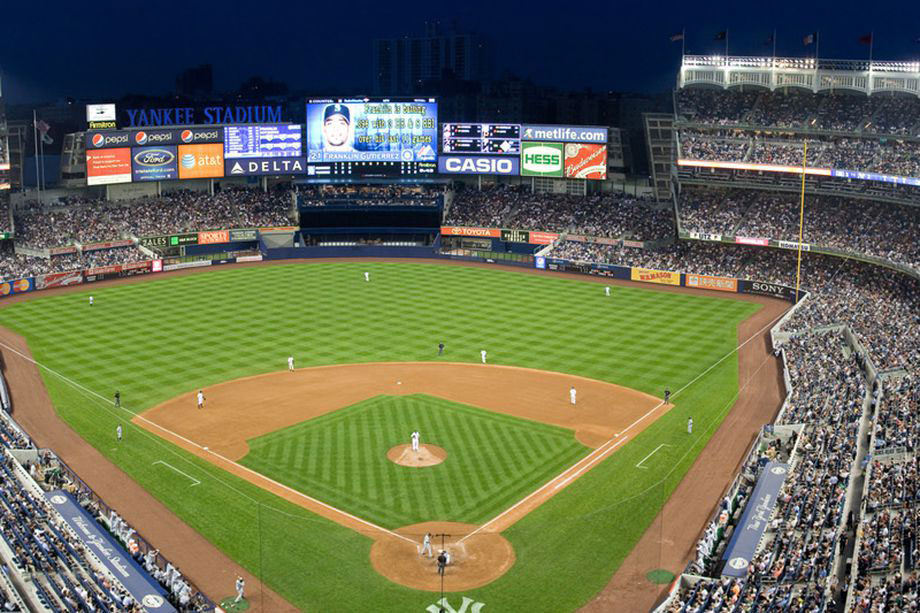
(367, 276)
(200, 400)
(572, 395)
(415, 437)
(240, 587)
(90, 301)
(607, 290)
(291, 363)
(483, 354)
(426, 545)
(118, 431)
(690, 426)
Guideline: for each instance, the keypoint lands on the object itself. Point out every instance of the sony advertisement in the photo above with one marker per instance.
(365, 130)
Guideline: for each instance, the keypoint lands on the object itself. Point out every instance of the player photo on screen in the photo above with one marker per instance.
(371, 131)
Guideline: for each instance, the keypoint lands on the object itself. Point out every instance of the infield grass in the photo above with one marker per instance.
(153, 340)
(493, 459)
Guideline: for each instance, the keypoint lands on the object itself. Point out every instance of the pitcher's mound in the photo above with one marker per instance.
(427, 455)
(475, 561)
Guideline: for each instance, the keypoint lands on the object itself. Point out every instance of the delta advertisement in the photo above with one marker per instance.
(647, 275)
(586, 161)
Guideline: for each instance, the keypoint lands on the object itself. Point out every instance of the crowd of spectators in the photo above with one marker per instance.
(368, 195)
(62, 571)
(897, 428)
(178, 211)
(883, 230)
(878, 114)
(606, 214)
(17, 266)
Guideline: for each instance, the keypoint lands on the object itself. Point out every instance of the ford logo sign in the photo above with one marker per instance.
(154, 157)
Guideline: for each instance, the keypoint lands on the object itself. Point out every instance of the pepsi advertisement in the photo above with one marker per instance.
(154, 163)
(366, 130)
(109, 139)
(263, 141)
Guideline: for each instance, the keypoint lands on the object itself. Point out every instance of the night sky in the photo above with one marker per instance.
(102, 49)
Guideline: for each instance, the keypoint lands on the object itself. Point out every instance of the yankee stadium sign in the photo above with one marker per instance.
(187, 115)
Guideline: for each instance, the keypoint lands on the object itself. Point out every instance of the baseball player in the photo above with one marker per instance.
(690, 425)
(415, 437)
(483, 354)
(367, 276)
(118, 432)
(291, 363)
(337, 129)
(572, 395)
(200, 399)
(442, 562)
(240, 587)
(90, 301)
(117, 398)
(426, 546)
(606, 290)
(667, 395)
(441, 348)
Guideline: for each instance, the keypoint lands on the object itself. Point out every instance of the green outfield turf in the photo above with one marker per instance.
(156, 339)
(493, 460)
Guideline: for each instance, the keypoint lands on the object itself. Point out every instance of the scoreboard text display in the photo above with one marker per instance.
(365, 136)
(263, 141)
(481, 138)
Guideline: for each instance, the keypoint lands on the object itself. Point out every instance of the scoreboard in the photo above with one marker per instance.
(481, 138)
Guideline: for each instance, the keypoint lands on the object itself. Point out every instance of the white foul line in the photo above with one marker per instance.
(196, 481)
(650, 455)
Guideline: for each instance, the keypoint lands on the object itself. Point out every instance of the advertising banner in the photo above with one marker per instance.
(540, 262)
(182, 265)
(874, 176)
(277, 229)
(239, 236)
(542, 238)
(634, 244)
(142, 587)
(565, 134)
(178, 240)
(362, 130)
(62, 250)
(745, 240)
(772, 290)
(542, 160)
(249, 258)
(647, 275)
(793, 245)
(823, 172)
(515, 236)
(722, 284)
(151, 137)
(156, 266)
(700, 236)
(154, 163)
(249, 167)
(478, 165)
(19, 286)
(107, 245)
(213, 237)
(59, 279)
(201, 161)
(586, 161)
(102, 270)
(459, 231)
(100, 112)
(755, 520)
(108, 166)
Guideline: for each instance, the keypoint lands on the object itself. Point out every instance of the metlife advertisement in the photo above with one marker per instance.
(565, 134)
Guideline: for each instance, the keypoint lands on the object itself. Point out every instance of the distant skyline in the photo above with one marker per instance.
(58, 49)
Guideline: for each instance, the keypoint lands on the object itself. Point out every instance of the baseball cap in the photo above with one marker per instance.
(337, 109)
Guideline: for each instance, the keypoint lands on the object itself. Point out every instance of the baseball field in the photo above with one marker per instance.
(288, 473)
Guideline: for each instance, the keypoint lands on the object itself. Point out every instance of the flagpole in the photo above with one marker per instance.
(774, 46)
(817, 46)
(35, 134)
(683, 44)
(726, 44)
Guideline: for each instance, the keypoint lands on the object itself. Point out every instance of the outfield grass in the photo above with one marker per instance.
(156, 339)
(493, 460)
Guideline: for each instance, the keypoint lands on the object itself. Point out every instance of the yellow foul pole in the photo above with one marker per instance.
(798, 266)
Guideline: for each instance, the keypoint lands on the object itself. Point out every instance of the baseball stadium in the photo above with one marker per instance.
(358, 354)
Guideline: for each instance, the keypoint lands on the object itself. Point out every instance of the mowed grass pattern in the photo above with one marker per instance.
(493, 460)
(155, 339)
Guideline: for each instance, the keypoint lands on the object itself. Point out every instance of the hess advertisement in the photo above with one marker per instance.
(542, 160)
(363, 130)
(585, 161)
(201, 161)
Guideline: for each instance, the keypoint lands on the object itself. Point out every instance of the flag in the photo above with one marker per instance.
(721, 35)
(809, 39)
(866, 40)
(42, 126)
(677, 37)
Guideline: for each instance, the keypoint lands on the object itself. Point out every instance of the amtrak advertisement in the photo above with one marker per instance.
(365, 130)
